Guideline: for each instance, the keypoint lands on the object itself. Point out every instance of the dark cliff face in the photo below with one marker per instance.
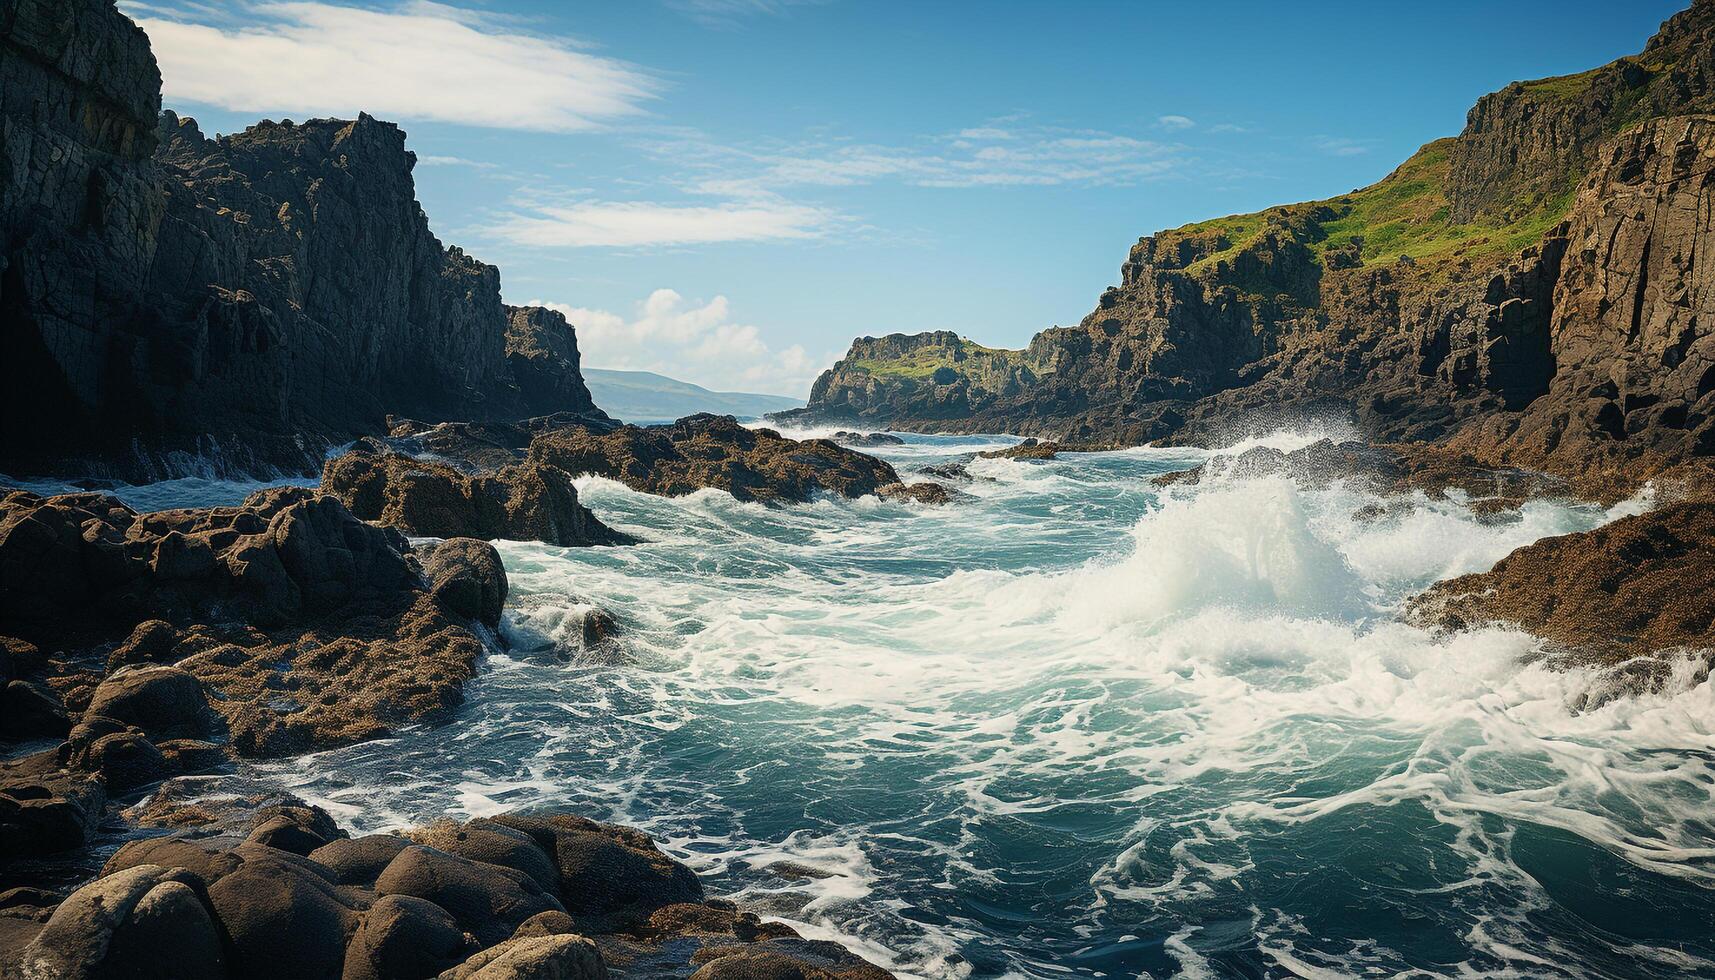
(248, 299)
(1535, 289)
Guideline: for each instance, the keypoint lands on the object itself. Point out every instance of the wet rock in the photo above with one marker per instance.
(549, 923)
(19, 659)
(845, 438)
(466, 577)
(164, 701)
(30, 709)
(401, 936)
(489, 901)
(310, 627)
(608, 873)
(714, 451)
(45, 809)
(784, 959)
(528, 501)
(285, 917)
(359, 860)
(933, 494)
(142, 922)
(122, 756)
(152, 642)
(535, 958)
(1637, 587)
(1028, 449)
(948, 471)
(492, 843)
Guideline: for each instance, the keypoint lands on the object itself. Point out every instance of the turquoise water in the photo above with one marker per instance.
(1076, 726)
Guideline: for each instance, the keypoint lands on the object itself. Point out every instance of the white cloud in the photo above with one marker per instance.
(1175, 122)
(412, 60)
(692, 341)
(639, 223)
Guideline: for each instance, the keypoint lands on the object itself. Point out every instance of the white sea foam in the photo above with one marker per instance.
(1078, 709)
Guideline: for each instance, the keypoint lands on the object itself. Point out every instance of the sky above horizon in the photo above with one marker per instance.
(728, 191)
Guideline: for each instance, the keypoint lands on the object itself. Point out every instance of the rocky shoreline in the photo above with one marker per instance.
(148, 658)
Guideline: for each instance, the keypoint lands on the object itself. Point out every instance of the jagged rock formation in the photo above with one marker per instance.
(527, 501)
(310, 627)
(1535, 290)
(266, 887)
(693, 453)
(714, 451)
(251, 298)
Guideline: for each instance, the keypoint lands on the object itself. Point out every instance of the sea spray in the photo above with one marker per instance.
(1080, 725)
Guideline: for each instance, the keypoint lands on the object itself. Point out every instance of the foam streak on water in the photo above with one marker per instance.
(1078, 726)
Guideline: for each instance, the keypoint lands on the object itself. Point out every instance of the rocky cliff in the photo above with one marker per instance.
(244, 300)
(1533, 290)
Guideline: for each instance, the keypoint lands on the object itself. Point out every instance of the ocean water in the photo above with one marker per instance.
(1076, 726)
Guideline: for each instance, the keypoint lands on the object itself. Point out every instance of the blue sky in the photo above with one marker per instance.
(728, 191)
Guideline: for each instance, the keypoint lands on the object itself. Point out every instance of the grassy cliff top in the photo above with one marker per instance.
(1406, 213)
(923, 362)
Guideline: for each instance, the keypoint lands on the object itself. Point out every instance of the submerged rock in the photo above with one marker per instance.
(845, 438)
(933, 494)
(1028, 449)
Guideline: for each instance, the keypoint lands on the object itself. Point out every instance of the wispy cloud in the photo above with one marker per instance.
(727, 14)
(984, 156)
(1341, 146)
(409, 60)
(631, 224)
(1175, 122)
(432, 160)
(693, 341)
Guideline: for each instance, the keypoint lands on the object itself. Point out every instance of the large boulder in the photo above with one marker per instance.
(401, 936)
(166, 702)
(526, 501)
(145, 922)
(487, 900)
(284, 916)
(564, 957)
(608, 874)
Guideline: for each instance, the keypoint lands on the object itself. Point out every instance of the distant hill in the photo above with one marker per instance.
(643, 396)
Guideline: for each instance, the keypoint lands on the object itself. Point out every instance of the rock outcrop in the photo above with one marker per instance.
(526, 501)
(714, 451)
(273, 628)
(1638, 587)
(249, 299)
(273, 888)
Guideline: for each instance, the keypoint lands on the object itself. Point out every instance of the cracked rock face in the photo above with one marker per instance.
(249, 299)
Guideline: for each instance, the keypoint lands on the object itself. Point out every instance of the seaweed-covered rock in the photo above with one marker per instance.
(714, 451)
(1636, 587)
(526, 501)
